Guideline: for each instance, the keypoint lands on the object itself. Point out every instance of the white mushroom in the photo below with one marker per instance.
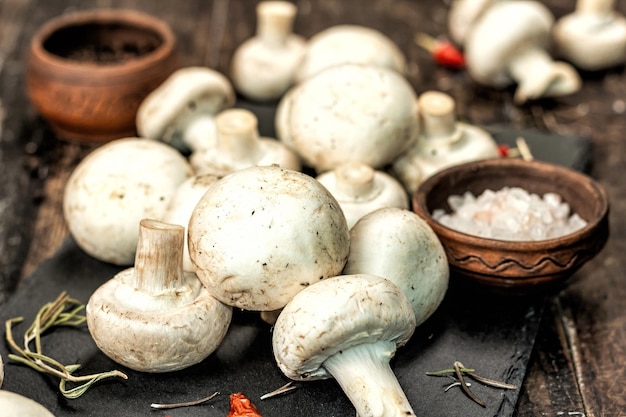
(239, 146)
(180, 111)
(350, 44)
(154, 317)
(360, 189)
(349, 113)
(262, 234)
(463, 15)
(264, 66)
(593, 37)
(508, 45)
(113, 188)
(443, 142)
(399, 245)
(14, 404)
(348, 327)
(182, 204)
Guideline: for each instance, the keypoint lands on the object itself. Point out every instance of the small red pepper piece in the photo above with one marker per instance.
(503, 150)
(241, 406)
(442, 51)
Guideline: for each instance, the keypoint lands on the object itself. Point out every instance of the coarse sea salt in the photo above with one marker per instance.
(510, 213)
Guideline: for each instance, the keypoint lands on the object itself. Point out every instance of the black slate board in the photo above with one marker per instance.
(493, 334)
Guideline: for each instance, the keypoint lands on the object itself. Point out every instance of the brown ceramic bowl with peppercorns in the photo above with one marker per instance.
(518, 267)
(88, 71)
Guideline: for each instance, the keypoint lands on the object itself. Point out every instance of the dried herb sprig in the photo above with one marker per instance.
(460, 371)
(64, 311)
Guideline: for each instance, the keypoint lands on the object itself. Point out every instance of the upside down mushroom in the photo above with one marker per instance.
(348, 327)
(154, 317)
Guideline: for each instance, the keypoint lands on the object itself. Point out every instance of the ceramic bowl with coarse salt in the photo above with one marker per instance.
(516, 266)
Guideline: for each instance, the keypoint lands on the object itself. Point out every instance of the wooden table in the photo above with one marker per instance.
(577, 367)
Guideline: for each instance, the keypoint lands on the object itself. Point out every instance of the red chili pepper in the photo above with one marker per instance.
(241, 406)
(503, 150)
(442, 51)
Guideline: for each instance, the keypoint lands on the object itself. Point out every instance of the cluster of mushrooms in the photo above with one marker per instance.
(208, 216)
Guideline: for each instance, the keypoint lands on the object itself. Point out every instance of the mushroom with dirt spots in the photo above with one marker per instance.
(349, 113)
(348, 327)
(154, 317)
(262, 234)
(113, 188)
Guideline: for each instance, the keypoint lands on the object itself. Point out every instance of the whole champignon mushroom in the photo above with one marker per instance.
(113, 188)
(348, 327)
(181, 110)
(508, 45)
(443, 142)
(154, 317)
(264, 66)
(399, 245)
(182, 204)
(350, 44)
(13, 404)
(593, 37)
(260, 235)
(360, 189)
(349, 113)
(239, 146)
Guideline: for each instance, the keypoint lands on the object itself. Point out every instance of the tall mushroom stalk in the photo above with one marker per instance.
(348, 327)
(154, 317)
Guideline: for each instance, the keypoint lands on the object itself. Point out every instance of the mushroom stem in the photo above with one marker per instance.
(355, 180)
(364, 374)
(595, 6)
(237, 133)
(159, 257)
(538, 75)
(275, 22)
(439, 124)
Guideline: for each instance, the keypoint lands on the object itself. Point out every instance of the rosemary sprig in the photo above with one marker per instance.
(460, 371)
(64, 311)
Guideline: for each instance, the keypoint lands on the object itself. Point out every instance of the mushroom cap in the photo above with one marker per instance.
(113, 188)
(349, 44)
(260, 235)
(505, 28)
(169, 332)
(185, 95)
(14, 404)
(359, 189)
(349, 113)
(399, 245)
(336, 314)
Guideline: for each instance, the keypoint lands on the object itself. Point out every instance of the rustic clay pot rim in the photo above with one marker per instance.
(511, 246)
(128, 17)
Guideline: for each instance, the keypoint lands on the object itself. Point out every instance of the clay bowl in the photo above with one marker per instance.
(88, 71)
(517, 267)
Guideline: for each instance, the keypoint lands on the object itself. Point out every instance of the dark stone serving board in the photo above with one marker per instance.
(492, 333)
